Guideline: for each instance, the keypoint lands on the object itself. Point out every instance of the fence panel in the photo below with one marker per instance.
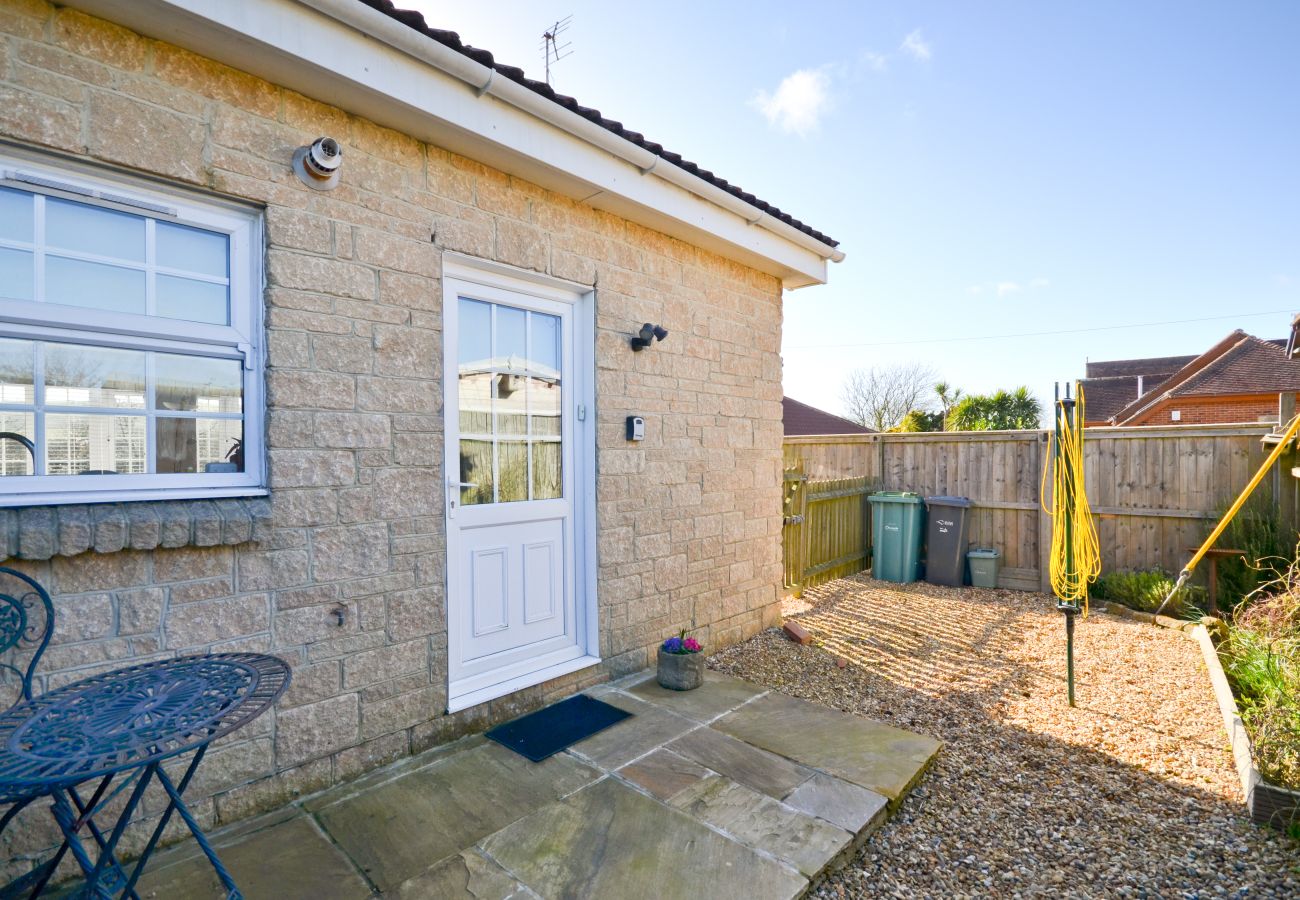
(1154, 491)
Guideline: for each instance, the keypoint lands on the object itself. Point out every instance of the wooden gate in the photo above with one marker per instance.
(827, 528)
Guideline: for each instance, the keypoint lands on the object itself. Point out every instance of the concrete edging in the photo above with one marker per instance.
(1267, 803)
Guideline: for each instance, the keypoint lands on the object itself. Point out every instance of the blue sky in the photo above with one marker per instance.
(991, 168)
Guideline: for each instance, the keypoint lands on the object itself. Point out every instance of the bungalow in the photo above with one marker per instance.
(320, 336)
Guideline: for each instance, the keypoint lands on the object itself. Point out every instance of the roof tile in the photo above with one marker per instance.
(451, 40)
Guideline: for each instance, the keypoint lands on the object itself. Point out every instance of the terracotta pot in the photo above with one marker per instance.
(681, 671)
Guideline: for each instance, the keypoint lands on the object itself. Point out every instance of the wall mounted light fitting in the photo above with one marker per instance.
(648, 334)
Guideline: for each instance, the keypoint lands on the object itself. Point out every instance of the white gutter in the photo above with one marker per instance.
(484, 81)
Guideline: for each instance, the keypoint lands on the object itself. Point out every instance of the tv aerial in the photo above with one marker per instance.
(555, 46)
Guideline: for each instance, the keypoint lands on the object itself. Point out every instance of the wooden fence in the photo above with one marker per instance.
(1153, 490)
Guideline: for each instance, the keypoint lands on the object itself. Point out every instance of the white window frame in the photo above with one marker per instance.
(241, 340)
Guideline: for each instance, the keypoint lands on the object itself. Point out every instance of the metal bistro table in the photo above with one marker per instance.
(120, 727)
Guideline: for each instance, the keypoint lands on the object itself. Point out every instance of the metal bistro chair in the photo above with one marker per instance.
(26, 626)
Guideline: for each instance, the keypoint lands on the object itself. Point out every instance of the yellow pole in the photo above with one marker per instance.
(1232, 511)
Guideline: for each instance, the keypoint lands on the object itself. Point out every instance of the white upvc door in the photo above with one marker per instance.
(520, 566)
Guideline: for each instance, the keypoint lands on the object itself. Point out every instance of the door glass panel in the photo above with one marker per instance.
(476, 472)
(512, 471)
(510, 403)
(546, 470)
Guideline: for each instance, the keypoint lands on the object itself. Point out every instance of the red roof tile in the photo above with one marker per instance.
(800, 418)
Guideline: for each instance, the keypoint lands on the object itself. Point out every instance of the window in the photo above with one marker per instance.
(130, 351)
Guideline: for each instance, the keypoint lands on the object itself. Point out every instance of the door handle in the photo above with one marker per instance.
(453, 494)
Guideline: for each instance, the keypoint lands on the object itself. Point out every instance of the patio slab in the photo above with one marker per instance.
(875, 756)
(735, 791)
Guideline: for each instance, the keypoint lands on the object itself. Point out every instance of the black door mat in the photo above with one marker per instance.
(548, 731)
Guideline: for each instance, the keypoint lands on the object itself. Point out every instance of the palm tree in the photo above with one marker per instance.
(948, 396)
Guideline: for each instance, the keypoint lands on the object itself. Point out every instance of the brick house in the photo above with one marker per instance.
(1237, 380)
(230, 381)
(801, 419)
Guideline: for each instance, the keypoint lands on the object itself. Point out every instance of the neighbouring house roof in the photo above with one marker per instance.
(1112, 384)
(451, 39)
(800, 419)
(1108, 395)
(1155, 365)
(1239, 364)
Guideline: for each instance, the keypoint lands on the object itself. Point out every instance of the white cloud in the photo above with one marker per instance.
(799, 102)
(877, 62)
(915, 46)
(1008, 287)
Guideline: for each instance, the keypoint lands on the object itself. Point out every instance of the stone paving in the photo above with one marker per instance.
(729, 791)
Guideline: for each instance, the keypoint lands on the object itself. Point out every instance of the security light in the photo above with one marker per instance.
(647, 334)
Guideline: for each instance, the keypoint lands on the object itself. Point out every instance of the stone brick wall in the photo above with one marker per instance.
(689, 519)
(1212, 410)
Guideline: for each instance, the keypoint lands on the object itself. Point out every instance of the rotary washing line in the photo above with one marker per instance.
(1075, 553)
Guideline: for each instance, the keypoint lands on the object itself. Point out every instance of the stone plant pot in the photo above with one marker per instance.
(681, 671)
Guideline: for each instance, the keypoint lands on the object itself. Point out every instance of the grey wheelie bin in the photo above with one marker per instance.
(945, 552)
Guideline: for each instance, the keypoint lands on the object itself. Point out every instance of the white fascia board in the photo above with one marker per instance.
(351, 56)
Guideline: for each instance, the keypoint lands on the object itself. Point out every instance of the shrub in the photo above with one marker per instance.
(1146, 589)
(1264, 667)
(1266, 542)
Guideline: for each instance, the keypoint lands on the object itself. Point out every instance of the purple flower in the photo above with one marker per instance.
(692, 645)
(673, 645)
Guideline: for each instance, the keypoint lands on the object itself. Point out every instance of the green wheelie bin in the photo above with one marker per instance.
(897, 524)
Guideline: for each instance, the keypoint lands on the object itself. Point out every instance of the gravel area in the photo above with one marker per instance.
(1131, 794)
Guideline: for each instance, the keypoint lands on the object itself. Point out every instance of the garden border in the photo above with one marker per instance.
(1267, 803)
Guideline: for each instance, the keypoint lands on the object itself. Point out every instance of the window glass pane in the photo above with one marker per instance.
(17, 363)
(92, 229)
(511, 324)
(86, 444)
(16, 281)
(475, 332)
(193, 301)
(476, 402)
(17, 443)
(199, 445)
(93, 376)
(546, 470)
(476, 469)
(512, 471)
(197, 384)
(180, 247)
(94, 285)
(15, 215)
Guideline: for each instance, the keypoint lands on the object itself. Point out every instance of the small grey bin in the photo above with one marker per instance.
(984, 563)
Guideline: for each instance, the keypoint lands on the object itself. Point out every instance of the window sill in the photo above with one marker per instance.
(42, 532)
